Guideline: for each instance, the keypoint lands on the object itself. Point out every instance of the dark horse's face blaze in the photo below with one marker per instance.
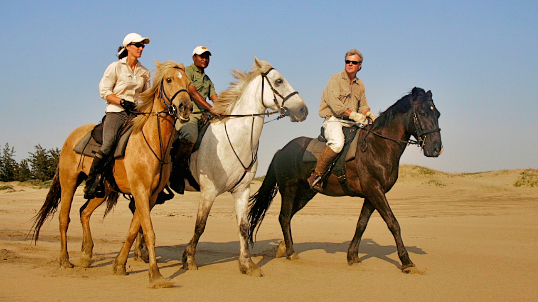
(426, 124)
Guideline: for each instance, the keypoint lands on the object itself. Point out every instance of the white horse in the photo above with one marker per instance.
(227, 158)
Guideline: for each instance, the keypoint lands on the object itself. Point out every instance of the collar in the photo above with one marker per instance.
(345, 77)
(195, 68)
(124, 61)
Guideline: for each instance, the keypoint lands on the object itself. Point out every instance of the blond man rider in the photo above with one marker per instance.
(342, 101)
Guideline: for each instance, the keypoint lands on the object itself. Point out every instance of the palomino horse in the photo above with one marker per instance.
(371, 174)
(227, 158)
(142, 172)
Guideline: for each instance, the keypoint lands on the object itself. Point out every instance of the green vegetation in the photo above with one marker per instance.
(435, 182)
(38, 168)
(6, 187)
(528, 179)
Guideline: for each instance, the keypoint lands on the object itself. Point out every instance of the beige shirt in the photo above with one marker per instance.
(119, 79)
(341, 94)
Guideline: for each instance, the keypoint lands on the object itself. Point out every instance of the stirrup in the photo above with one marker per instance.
(316, 183)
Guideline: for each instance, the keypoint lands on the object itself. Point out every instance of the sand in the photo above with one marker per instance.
(473, 236)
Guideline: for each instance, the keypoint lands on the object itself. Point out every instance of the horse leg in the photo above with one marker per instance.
(204, 207)
(140, 249)
(68, 191)
(143, 211)
(121, 259)
(382, 206)
(353, 250)
(294, 198)
(246, 265)
(87, 241)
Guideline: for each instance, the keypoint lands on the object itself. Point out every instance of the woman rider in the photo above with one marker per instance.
(122, 82)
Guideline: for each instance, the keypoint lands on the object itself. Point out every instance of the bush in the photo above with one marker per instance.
(528, 179)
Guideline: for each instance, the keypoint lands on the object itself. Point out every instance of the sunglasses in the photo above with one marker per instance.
(353, 62)
(139, 44)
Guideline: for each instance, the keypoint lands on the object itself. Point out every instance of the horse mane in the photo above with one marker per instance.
(401, 106)
(224, 104)
(147, 97)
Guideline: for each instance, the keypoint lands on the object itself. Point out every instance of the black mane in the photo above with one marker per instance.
(403, 105)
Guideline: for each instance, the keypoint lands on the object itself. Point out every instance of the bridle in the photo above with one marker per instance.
(420, 133)
(171, 110)
(282, 111)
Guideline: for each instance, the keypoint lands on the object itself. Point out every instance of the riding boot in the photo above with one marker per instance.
(181, 152)
(94, 186)
(324, 160)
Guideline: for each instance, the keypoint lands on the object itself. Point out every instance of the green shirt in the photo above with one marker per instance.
(202, 83)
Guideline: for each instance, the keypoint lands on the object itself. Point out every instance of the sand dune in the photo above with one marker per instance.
(474, 237)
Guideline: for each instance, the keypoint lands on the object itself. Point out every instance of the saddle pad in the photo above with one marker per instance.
(88, 146)
(315, 147)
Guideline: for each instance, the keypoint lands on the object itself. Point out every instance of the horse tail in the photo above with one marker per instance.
(260, 202)
(111, 201)
(49, 207)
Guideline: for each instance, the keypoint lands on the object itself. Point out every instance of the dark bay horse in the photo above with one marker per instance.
(370, 175)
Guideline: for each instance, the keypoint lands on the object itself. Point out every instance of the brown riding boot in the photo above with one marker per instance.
(324, 160)
(181, 152)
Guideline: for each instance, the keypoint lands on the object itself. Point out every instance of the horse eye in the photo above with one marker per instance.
(279, 82)
(168, 80)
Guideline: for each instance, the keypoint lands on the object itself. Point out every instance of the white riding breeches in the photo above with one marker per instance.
(334, 133)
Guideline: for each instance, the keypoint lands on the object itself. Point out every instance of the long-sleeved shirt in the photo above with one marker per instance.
(341, 94)
(119, 79)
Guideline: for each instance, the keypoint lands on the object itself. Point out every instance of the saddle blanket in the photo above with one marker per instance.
(88, 146)
(315, 147)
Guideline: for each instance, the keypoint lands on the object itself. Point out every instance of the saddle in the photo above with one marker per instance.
(90, 144)
(338, 166)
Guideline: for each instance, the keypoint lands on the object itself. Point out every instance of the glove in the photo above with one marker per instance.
(358, 117)
(128, 106)
(371, 116)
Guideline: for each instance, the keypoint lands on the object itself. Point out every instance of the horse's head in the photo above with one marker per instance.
(426, 122)
(279, 95)
(173, 91)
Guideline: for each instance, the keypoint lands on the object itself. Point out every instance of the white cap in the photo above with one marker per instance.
(133, 38)
(200, 50)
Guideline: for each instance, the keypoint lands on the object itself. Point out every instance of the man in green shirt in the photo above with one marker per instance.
(201, 89)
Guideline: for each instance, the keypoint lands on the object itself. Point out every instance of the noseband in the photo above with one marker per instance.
(282, 110)
(171, 108)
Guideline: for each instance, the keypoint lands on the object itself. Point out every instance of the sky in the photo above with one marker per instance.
(479, 59)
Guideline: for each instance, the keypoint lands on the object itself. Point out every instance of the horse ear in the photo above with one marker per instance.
(181, 65)
(257, 62)
(429, 93)
(157, 63)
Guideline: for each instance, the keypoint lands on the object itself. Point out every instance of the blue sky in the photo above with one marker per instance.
(479, 59)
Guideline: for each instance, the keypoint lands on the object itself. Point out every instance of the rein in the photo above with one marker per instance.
(282, 111)
(421, 134)
(171, 111)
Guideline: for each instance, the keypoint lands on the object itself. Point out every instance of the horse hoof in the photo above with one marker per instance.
(353, 259)
(281, 251)
(85, 261)
(120, 270)
(66, 264)
(293, 256)
(191, 266)
(253, 271)
(412, 270)
(257, 272)
(161, 283)
(141, 257)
